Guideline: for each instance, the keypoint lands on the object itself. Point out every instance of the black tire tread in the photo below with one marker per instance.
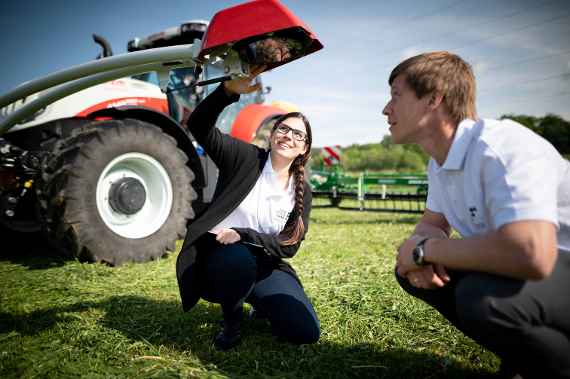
(69, 218)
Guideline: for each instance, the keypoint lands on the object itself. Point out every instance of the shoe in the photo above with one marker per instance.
(255, 314)
(227, 338)
(230, 334)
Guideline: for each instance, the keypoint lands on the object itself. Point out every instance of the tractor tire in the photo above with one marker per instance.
(116, 191)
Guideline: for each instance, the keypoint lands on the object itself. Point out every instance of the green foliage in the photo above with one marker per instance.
(529, 121)
(383, 156)
(63, 319)
(551, 127)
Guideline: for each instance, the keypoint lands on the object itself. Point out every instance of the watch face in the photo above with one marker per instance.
(417, 255)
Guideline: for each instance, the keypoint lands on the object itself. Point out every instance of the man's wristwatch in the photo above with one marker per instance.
(418, 253)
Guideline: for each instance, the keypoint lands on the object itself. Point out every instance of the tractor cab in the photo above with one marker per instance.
(182, 92)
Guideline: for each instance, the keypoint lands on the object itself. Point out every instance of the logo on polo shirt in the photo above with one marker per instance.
(283, 215)
(476, 218)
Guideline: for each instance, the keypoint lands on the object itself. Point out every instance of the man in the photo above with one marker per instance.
(506, 191)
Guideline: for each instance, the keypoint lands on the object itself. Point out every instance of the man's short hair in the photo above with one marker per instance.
(445, 74)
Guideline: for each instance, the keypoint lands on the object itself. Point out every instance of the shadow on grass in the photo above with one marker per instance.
(162, 323)
(29, 250)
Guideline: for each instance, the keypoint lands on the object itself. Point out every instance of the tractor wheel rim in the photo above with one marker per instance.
(157, 186)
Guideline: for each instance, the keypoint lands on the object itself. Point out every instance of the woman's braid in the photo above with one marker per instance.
(299, 191)
(295, 230)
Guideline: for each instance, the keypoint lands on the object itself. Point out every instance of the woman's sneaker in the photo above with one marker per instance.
(255, 314)
(227, 338)
(230, 335)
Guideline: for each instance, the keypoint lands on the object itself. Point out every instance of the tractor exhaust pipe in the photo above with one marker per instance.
(107, 51)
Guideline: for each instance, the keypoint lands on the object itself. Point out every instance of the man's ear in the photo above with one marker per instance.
(435, 99)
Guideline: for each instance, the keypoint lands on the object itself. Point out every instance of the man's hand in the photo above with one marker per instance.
(404, 261)
(227, 236)
(428, 277)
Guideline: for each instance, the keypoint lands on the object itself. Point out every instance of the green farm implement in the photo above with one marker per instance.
(402, 193)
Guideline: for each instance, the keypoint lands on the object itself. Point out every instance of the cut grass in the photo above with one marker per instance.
(62, 319)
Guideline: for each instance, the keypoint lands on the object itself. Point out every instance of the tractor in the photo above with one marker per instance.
(96, 158)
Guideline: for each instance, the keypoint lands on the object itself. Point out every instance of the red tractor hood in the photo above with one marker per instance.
(254, 21)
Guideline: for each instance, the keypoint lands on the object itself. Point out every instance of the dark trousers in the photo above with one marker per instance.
(526, 323)
(232, 275)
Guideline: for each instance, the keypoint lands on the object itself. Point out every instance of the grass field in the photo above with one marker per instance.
(63, 319)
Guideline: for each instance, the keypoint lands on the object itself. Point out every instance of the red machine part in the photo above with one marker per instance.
(251, 118)
(160, 105)
(331, 155)
(253, 19)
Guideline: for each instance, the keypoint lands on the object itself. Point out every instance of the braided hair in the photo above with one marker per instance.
(295, 229)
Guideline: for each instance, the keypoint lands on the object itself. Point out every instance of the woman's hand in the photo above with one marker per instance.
(227, 236)
(240, 86)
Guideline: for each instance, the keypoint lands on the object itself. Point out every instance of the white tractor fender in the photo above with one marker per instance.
(114, 94)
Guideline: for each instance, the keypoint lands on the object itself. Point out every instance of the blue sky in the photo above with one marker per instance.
(520, 50)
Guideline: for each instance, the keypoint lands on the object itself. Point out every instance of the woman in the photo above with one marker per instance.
(233, 252)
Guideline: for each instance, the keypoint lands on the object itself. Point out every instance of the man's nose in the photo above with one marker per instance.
(386, 110)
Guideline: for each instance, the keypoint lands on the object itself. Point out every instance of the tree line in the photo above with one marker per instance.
(551, 127)
(388, 157)
(383, 156)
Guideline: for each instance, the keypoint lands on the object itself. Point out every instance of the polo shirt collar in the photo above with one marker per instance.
(461, 141)
(268, 170)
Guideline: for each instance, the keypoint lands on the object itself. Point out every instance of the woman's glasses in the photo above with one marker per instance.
(297, 134)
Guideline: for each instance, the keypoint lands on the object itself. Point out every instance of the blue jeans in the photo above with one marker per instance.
(231, 276)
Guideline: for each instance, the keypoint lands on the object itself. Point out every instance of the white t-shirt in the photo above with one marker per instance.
(266, 208)
(498, 172)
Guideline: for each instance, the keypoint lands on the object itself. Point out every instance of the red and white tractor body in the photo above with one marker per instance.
(97, 156)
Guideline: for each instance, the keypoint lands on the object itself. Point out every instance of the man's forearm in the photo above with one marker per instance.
(519, 252)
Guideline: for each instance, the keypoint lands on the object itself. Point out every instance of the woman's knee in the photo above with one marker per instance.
(290, 319)
(309, 334)
(300, 332)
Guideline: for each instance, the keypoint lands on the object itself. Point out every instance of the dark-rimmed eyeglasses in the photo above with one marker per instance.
(297, 134)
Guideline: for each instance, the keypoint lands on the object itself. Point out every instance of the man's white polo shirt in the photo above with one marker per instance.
(498, 172)
(266, 208)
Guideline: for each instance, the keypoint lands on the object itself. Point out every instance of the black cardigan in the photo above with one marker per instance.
(240, 164)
